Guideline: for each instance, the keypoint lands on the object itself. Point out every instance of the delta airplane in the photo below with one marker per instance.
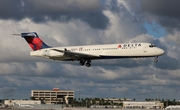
(85, 53)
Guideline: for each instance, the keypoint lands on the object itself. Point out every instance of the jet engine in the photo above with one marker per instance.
(52, 53)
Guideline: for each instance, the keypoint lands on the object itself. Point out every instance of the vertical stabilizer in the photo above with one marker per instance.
(34, 41)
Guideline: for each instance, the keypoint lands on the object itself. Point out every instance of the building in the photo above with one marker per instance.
(21, 102)
(173, 107)
(55, 96)
(110, 101)
(147, 105)
(116, 100)
(2, 105)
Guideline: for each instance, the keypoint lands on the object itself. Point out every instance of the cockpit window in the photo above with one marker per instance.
(152, 45)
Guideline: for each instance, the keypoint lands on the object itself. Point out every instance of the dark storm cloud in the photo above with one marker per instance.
(166, 12)
(169, 8)
(57, 10)
(168, 63)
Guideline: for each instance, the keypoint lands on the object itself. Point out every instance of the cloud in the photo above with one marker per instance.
(174, 38)
(161, 7)
(166, 13)
(120, 16)
(55, 10)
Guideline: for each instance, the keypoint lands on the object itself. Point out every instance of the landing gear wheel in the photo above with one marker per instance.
(155, 60)
(88, 64)
(81, 63)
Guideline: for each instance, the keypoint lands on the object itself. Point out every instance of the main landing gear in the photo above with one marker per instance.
(156, 59)
(82, 62)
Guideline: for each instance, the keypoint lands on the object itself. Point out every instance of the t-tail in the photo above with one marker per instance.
(34, 41)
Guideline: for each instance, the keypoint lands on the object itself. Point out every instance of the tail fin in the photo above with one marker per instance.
(34, 41)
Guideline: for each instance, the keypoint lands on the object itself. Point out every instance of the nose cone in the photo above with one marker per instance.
(160, 51)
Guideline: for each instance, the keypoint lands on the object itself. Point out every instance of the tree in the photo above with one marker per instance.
(102, 101)
(174, 102)
(146, 99)
(83, 102)
(93, 101)
(32, 98)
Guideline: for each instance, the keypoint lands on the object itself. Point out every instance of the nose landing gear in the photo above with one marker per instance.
(156, 59)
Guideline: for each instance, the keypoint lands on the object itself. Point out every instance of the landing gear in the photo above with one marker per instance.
(88, 64)
(82, 62)
(156, 60)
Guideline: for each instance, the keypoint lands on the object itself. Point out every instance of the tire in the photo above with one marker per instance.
(88, 64)
(155, 60)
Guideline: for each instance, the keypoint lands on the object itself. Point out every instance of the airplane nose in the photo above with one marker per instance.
(161, 51)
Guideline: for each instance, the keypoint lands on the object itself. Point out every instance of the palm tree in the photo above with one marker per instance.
(102, 101)
(93, 101)
(82, 102)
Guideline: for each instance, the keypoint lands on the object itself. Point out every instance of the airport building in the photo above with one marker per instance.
(146, 105)
(21, 102)
(55, 96)
(116, 100)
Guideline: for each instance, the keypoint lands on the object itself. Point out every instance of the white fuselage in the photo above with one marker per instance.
(108, 51)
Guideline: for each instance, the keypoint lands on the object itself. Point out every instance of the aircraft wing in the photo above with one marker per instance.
(76, 55)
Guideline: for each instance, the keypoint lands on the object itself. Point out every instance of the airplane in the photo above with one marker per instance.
(85, 53)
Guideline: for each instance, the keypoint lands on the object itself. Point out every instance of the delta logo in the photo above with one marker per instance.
(129, 45)
(119, 46)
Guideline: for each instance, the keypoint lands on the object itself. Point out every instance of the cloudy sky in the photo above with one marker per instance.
(77, 22)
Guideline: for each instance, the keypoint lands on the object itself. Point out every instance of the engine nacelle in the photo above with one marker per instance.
(52, 53)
